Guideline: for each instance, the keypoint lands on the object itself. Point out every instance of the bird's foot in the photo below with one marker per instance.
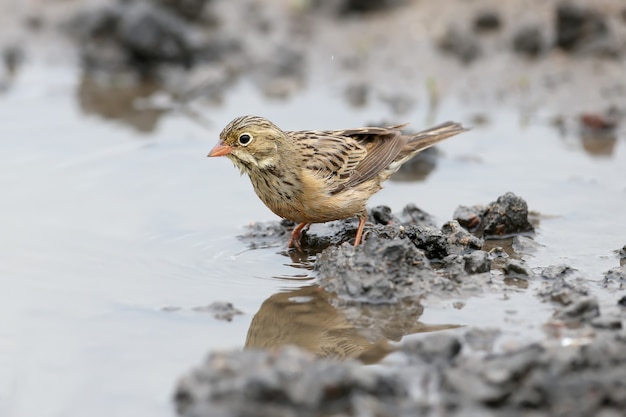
(359, 230)
(296, 235)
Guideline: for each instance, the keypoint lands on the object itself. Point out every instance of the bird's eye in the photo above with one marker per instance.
(245, 139)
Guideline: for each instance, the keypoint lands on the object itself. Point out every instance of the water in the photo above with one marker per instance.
(105, 227)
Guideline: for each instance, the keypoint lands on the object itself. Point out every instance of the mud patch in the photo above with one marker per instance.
(590, 381)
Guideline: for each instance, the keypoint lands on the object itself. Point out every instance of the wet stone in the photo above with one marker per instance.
(477, 262)
(615, 275)
(583, 30)
(348, 7)
(582, 309)
(556, 271)
(457, 235)
(517, 267)
(265, 234)
(151, 34)
(468, 217)
(608, 323)
(487, 21)
(432, 241)
(529, 41)
(382, 215)
(413, 215)
(563, 291)
(506, 216)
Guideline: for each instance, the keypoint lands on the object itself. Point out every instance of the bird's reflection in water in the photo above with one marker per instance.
(315, 320)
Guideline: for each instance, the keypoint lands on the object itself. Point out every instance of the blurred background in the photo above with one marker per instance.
(118, 235)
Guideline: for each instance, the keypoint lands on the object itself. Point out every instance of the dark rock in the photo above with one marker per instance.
(461, 44)
(469, 217)
(493, 380)
(517, 267)
(477, 262)
(556, 271)
(506, 216)
(349, 7)
(433, 242)
(529, 41)
(581, 29)
(12, 57)
(382, 215)
(141, 36)
(459, 236)
(413, 215)
(615, 275)
(622, 301)
(378, 271)
(220, 310)
(562, 291)
(265, 234)
(582, 309)
(151, 35)
(608, 323)
(487, 21)
(360, 6)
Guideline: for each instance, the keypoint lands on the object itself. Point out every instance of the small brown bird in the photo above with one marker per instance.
(316, 176)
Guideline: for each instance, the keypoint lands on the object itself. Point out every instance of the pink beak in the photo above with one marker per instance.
(220, 149)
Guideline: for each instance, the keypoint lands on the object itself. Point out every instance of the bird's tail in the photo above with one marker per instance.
(423, 140)
(429, 137)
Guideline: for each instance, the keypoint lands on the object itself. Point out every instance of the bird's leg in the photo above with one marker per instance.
(359, 230)
(296, 235)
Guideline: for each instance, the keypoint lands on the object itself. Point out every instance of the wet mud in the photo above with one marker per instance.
(367, 298)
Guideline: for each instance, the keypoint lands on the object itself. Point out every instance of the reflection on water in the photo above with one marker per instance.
(315, 320)
(598, 143)
(119, 100)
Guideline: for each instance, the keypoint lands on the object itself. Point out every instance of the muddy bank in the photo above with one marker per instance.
(362, 293)
(427, 377)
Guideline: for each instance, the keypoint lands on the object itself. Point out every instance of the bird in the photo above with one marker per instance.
(317, 176)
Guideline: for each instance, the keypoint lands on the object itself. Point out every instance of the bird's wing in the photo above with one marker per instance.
(347, 158)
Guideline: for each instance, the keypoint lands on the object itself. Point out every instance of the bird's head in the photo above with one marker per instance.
(250, 142)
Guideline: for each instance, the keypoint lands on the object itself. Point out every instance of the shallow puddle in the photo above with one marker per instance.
(116, 226)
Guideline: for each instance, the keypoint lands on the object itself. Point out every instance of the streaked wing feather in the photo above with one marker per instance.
(380, 153)
(347, 158)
